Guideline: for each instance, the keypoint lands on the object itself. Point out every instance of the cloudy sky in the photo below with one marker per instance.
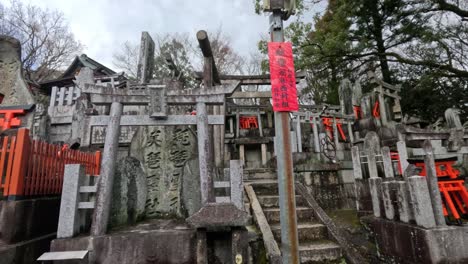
(103, 25)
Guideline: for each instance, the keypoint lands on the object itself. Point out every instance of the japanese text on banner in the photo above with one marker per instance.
(283, 77)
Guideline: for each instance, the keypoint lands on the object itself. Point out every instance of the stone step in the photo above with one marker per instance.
(221, 184)
(267, 201)
(304, 214)
(64, 255)
(88, 189)
(86, 205)
(265, 187)
(260, 174)
(223, 199)
(307, 231)
(321, 251)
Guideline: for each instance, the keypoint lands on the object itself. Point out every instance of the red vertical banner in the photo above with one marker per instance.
(283, 77)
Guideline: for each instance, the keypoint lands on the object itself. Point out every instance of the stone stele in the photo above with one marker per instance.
(129, 192)
(169, 158)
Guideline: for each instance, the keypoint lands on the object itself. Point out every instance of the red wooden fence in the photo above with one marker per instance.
(31, 168)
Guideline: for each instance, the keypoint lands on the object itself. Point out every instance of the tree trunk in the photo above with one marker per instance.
(378, 36)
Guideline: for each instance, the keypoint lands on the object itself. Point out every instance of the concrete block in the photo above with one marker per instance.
(387, 190)
(68, 225)
(237, 187)
(375, 185)
(357, 170)
(214, 215)
(387, 162)
(403, 201)
(421, 202)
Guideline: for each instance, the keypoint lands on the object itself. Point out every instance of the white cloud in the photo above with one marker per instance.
(102, 25)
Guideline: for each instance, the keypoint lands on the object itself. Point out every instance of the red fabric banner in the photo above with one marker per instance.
(283, 77)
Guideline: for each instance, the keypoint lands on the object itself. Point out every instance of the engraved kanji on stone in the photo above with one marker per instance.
(154, 138)
(153, 159)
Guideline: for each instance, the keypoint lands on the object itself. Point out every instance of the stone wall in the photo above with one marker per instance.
(150, 246)
(26, 219)
(404, 243)
(328, 189)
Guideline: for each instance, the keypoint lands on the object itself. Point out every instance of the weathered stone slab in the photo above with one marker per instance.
(432, 184)
(372, 147)
(403, 201)
(146, 58)
(357, 170)
(68, 225)
(129, 192)
(387, 188)
(387, 162)
(375, 185)
(237, 185)
(167, 155)
(421, 202)
(214, 215)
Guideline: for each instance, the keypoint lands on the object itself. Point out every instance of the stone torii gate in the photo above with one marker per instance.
(158, 98)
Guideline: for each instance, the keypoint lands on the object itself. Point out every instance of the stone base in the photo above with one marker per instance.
(25, 220)
(158, 241)
(411, 244)
(219, 215)
(25, 252)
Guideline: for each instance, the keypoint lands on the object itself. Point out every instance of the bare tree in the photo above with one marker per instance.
(126, 59)
(46, 40)
(178, 56)
(227, 60)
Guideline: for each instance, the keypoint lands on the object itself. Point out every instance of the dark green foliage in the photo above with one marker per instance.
(419, 44)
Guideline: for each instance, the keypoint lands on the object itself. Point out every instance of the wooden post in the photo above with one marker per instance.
(97, 162)
(239, 245)
(202, 250)
(21, 158)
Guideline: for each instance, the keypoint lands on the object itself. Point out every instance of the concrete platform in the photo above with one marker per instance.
(412, 244)
(155, 241)
(26, 251)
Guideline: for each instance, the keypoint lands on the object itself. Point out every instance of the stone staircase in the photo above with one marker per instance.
(314, 243)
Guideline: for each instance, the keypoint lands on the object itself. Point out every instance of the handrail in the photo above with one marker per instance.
(272, 249)
(351, 256)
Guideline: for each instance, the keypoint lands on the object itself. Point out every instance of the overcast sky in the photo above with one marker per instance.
(103, 25)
